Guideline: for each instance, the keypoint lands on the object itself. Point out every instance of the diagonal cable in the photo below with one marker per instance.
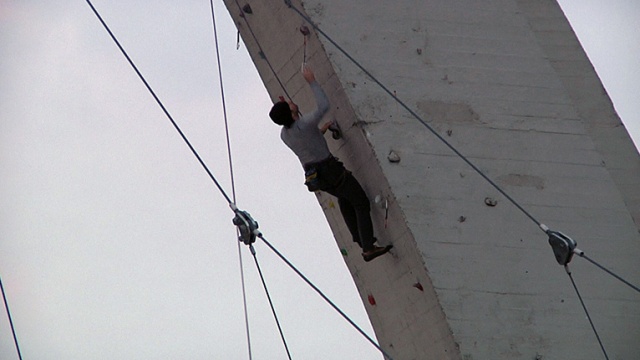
(434, 132)
(273, 309)
(13, 330)
(333, 305)
(231, 174)
(458, 153)
(275, 74)
(166, 112)
(414, 114)
(586, 312)
(582, 255)
(200, 159)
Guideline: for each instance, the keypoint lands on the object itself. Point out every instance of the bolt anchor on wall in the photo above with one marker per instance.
(336, 132)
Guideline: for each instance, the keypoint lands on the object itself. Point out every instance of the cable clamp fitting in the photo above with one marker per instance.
(562, 245)
(247, 227)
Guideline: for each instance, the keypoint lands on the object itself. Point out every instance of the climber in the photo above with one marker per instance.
(323, 171)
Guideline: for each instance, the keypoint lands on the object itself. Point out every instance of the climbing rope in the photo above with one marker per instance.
(13, 330)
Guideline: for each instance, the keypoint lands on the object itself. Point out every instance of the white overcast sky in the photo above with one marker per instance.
(115, 244)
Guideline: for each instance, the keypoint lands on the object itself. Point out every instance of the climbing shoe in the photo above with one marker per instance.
(377, 251)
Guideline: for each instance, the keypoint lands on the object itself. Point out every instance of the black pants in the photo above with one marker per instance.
(353, 201)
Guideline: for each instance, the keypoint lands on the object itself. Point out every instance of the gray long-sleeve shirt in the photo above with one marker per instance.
(304, 137)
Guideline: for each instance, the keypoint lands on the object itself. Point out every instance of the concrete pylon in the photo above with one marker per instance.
(507, 84)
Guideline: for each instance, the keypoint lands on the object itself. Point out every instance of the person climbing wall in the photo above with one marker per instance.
(323, 171)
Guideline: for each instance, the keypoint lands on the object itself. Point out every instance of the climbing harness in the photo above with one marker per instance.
(312, 180)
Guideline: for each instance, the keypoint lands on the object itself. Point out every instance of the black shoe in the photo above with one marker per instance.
(377, 251)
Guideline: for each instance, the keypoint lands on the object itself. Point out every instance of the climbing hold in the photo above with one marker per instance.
(304, 30)
(418, 286)
(332, 205)
(449, 132)
(344, 252)
(336, 133)
(462, 218)
(490, 202)
(247, 9)
(419, 51)
(372, 300)
(393, 157)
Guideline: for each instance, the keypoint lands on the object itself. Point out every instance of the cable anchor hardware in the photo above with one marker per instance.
(562, 245)
(247, 227)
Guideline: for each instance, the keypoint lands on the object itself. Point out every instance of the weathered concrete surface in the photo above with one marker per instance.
(506, 83)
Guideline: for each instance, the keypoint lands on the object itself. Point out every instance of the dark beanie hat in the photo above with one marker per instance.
(281, 114)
